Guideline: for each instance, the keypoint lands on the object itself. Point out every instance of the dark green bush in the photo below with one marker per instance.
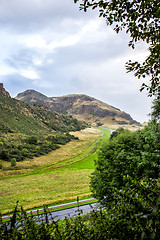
(4, 154)
(126, 182)
(13, 162)
(32, 140)
(117, 132)
(33, 146)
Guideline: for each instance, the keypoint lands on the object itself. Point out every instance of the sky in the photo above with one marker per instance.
(52, 47)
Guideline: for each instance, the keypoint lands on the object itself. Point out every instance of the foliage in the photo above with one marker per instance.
(126, 178)
(27, 147)
(13, 162)
(155, 114)
(117, 132)
(96, 225)
(32, 140)
(132, 155)
(141, 21)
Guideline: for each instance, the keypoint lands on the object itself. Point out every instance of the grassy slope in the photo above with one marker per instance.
(60, 176)
(19, 117)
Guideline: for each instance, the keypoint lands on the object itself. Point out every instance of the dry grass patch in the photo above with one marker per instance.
(37, 190)
(66, 153)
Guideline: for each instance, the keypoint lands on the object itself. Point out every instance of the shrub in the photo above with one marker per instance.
(117, 132)
(4, 154)
(25, 152)
(1, 144)
(32, 140)
(13, 162)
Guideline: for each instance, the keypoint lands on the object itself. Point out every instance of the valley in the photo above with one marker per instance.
(48, 146)
(57, 177)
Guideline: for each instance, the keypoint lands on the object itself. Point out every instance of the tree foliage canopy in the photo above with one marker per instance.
(128, 155)
(126, 178)
(155, 113)
(140, 19)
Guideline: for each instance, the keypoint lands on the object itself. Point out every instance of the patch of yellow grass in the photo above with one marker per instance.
(68, 151)
(39, 189)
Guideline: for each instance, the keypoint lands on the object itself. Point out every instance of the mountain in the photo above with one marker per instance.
(79, 106)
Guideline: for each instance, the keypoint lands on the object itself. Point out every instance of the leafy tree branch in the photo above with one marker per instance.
(140, 19)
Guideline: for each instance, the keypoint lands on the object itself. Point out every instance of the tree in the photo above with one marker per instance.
(32, 140)
(132, 155)
(140, 19)
(126, 179)
(155, 114)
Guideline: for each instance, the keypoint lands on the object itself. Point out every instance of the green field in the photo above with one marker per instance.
(57, 177)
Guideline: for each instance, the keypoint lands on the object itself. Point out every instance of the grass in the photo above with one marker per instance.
(58, 177)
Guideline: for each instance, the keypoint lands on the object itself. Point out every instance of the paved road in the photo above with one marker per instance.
(111, 130)
(70, 210)
(59, 215)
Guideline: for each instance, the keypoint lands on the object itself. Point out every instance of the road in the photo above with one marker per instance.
(56, 215)
(111, 130)
(62, 213)
(70, 212)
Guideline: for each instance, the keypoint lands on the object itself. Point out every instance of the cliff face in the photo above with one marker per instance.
(3, 91)
(80, 106)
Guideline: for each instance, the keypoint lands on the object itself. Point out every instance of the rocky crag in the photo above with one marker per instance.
(3, 91)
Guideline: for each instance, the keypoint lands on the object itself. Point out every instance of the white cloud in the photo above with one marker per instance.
(58, 50)
(29, 74)
(36, 41)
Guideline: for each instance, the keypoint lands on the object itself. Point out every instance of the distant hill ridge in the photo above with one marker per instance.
(81, 106)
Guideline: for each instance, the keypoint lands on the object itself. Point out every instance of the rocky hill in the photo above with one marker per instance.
(80, 106)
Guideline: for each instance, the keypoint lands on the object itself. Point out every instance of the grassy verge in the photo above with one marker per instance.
(56, 178)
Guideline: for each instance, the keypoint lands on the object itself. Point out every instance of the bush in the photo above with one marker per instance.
(13, 162)
(25, 152)
(32, 146)
(32, 140)
(126, 181)
(4, 154)
(117, 132)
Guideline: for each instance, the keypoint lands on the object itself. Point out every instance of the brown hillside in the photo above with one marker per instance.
(80, 106)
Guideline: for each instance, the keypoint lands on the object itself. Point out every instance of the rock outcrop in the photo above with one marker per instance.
(3, 91)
